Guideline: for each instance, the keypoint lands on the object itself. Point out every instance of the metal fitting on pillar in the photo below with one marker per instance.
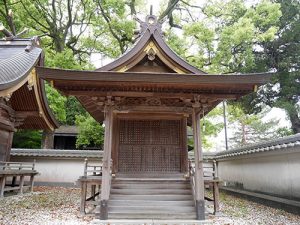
(103, 210)
(200, 209)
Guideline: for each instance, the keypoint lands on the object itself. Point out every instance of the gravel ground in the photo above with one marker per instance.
(60, 206)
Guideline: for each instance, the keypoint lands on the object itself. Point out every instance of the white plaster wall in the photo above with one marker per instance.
(277, 173)
(57, 170)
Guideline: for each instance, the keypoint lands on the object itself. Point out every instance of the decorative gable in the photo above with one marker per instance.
(151, 54)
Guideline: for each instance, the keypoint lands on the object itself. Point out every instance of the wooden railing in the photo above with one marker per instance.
(17, 165)
(92, 177)
(192, 176)
(92, 170)
(16, 170)
(210, 174)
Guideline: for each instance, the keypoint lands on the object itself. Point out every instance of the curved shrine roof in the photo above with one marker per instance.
(19, 84)
(151, 44)
(150, 69)
(16, 62)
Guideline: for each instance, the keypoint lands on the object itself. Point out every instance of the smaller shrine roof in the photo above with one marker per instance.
(19, 85)
(17, 58)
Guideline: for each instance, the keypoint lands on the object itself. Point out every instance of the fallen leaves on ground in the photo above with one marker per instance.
(60, 206)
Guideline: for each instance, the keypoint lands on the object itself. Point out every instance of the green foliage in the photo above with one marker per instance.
(250, 128)
(223, 37)
(63, 60)
(179, 44)
(210, 127)
(27, 139)
(111, 28)
(74, 108)
(91, 133)
(284, 131)
(57, 103)
(281, 55)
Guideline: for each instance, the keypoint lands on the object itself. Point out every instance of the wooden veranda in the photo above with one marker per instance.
(146, 99)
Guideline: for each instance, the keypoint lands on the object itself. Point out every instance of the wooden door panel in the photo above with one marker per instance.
(150, 146)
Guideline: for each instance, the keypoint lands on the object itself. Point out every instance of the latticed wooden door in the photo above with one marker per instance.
(147, 146)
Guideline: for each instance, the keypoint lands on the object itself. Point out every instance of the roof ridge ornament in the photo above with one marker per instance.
(151, 23)
(34, 42)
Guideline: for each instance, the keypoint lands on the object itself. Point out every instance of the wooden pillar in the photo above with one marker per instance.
(83, 197)
(199, 180)
(48, 140)
(106, 176)
(2, 185)
(6, 130)
(216, 196)
(21, 184)
(184, 151)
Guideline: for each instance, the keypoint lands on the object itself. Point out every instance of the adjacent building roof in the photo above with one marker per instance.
(17, 58)
(20, 86)
(66, 130)
(285, 143)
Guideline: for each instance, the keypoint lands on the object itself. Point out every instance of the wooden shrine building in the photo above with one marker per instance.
(147, 98)
(23, 103)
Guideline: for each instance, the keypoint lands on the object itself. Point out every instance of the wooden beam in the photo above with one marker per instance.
(150, 116)
(199, 180)
(24, 114)
(171, 109)
(150, 94)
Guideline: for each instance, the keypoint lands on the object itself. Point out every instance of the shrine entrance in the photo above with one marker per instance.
(150, 145)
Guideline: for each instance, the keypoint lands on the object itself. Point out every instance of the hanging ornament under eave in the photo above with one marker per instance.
(203, 121)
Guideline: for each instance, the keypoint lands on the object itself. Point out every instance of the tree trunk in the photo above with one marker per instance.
(295, 121)
(59, 44)
(244, 141)
(48, 140)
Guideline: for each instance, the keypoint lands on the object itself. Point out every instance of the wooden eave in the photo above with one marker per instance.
(83, 78)
(85, 85)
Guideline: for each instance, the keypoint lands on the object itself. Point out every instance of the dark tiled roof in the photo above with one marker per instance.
(77, 153)
(17, 58)
(67, 130)
(56, 153)
(284, 143)
(207, 156)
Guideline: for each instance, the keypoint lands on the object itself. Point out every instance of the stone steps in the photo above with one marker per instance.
(150, 191)
(150, 215)
(151, 198)
(150, 203)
